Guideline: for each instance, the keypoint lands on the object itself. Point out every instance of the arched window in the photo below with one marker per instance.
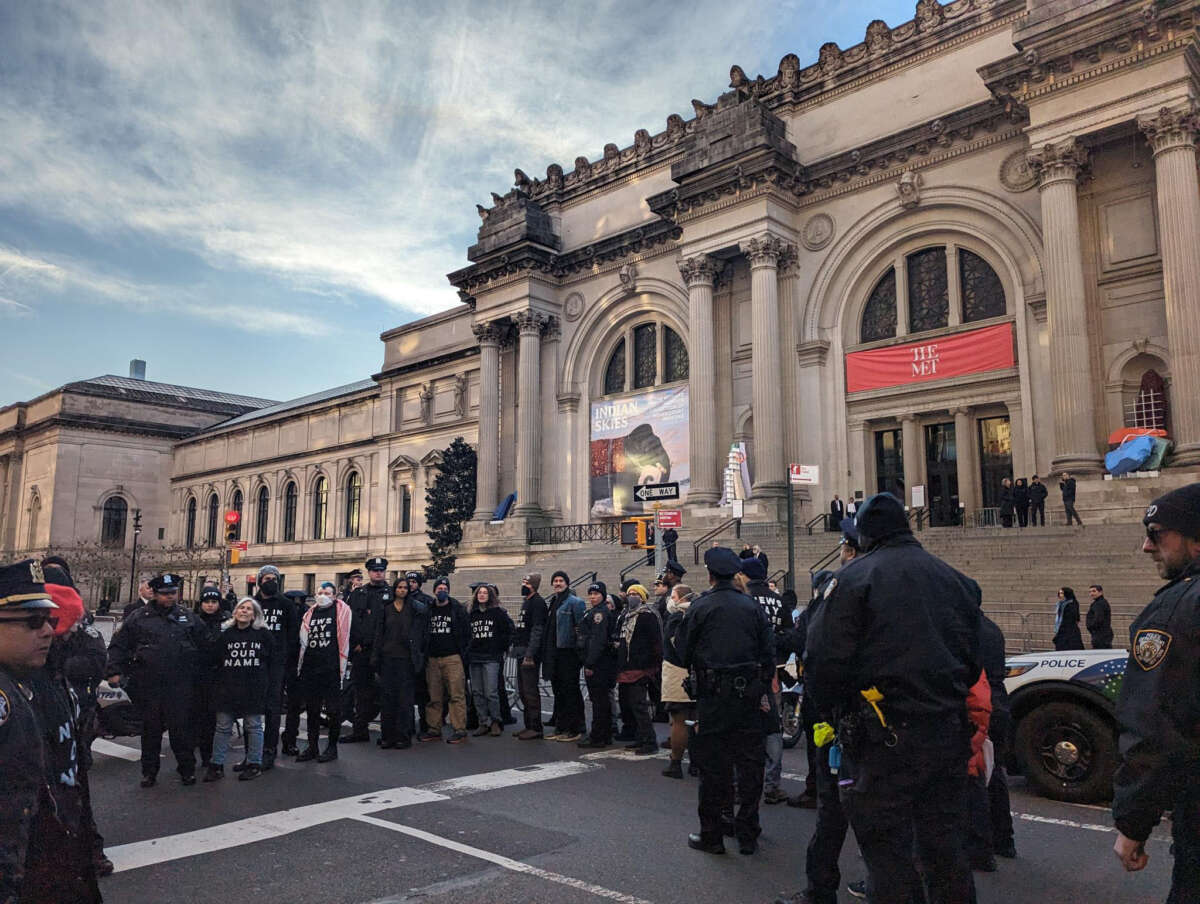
(112, 522)
(291, 500)
(189, 527)
(879, 316)
(982, 291)
(35, 512)
(928, 290)
(353, 502)
(405, 509)
(260, 520)
(659, 356)
(1150, 405)
(213, 510)
(238, 503)
(614, 374)
(320, 507)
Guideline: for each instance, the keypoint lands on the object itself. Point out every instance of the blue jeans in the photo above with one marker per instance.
(774, 761)
(485, 690)
(253, 728)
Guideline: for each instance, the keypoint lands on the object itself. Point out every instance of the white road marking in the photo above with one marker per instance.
(120, 751)
(620, 753)
(1072, 824)
(138, 854)
(515, 866)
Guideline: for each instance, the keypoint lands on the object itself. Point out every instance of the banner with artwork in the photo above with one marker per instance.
(637, 439)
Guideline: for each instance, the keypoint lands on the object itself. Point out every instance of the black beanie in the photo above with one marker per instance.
(560, 574)
(880, 517)
(1178, 510)
(600, 588)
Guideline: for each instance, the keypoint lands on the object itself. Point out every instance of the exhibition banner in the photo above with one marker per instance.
(637, 439)
(972, 352)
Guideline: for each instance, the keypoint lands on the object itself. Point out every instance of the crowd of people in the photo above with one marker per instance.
(906, 716)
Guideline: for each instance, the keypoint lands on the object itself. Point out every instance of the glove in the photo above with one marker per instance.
(823, 734)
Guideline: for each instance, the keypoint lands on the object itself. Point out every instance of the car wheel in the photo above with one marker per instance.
(1067, 752)
(789, 715)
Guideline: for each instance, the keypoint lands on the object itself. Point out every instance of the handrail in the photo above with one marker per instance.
(825, 559)
(719, 529)
(920, 512)
(821, 517)
(639, 562)
(776, 574)
(589, 576)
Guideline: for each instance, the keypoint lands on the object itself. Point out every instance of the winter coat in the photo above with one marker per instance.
(639, 644)
(418, 633)
(1099, 623)
(672, 672)
(1067, 637)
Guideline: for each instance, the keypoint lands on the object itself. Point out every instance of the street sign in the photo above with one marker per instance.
(670, 518)
(243, 545)
(918, 496)
(649, 492)
(232, 517)
(807, 475)
(739, 508)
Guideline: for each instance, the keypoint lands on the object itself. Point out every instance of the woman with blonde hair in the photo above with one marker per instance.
(680, 705)
(242, 654)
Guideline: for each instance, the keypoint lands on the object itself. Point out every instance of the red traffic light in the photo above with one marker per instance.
(232, 517)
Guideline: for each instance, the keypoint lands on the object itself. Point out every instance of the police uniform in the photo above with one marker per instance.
(1158, 710)
(157, 653)
(366, 603)
(726, 640)
(596, 630)
(900, 620)
(45, 846)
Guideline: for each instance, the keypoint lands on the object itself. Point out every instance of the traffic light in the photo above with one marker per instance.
(638, 533)
(231, 533)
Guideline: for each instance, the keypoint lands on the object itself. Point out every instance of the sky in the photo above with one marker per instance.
(245, 195)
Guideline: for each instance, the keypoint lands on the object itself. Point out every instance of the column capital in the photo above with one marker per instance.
(961, 411)
(1169, 129)
(700, 270)
(1064, 161)
(908, 418)
(764, 250)
(568, 402)
(530, 322)
(789, 261)
(489, 332)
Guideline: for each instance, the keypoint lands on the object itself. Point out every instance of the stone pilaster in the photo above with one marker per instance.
(487, 472)
(789, 280)
(530, 325)
(964, 445)
(698, 275)
(1058, 167)
(1172, 135)
(764, 253)
(910, 447)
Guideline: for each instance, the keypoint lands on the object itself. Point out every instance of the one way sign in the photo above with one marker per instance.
(653, 492)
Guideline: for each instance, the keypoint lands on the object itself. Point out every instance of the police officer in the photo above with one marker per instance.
(596, 630)
(158, 648)
(283, 622)
(1159, 707)
(780, 618)
(45, 848)
(900, 622)
(726, 640)
(366, 603)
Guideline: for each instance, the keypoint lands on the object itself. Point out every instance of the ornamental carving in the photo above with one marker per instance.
(1056, 162)
(818, 232)
(530, 322)
(1169, 128)
(573, 307)
(697, 271)
(628, 277)
(879, 37)
(908, 187)
(460, 395)
(830, 58)
(929, 14)
(1016, 174)
(489, 333)
(426, 396)
(764, 251)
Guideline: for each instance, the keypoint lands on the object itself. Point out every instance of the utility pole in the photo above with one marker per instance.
(789, 580)
(137, 532)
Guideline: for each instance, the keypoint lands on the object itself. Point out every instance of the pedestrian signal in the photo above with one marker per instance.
(638, 532)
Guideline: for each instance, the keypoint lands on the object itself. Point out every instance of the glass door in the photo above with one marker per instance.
(995, 457)
(889, 463)
(941, 468)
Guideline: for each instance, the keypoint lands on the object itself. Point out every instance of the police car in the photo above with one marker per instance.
(1064, 727)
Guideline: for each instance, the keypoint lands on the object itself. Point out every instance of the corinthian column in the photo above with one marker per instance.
(1058, 167)
(698, 275)
(769, 418)
(529, 411)
(1172, 134)
(488, 451)
(789, 279)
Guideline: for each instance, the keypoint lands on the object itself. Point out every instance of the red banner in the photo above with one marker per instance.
(977, 351)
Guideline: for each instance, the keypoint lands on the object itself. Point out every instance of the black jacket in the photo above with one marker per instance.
(1020, 495)
(670, 632)
(1068, 489)
(902, 620)
(243, 658)
(418, 635)
(596, 631)
(1006, 501)
(365, 605)
(1038, 492)
(780, 617)
(1099, 623)
(1158, 710)
(639, 640)
(530, 629)
(210, 668)
(991, 655)
(1067, 637)
(158, 650)
(283, 623)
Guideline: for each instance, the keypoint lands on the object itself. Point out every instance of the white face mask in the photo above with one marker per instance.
(324, 599)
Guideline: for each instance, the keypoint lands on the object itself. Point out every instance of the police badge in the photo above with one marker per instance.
(1150, 647)
(598, 617)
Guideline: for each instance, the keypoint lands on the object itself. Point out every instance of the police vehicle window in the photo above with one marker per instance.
(320, 507)
(239, 502)
(213, 506)
(112, 524)
(675, 364)
(291, 499)
(879, 316)
(982, 292)
(614, 374)
(353, 502)
(190, 527)
(928, 290)
(260, 522)
(645, 355)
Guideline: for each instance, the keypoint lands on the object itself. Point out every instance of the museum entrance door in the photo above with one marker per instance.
(941, 469)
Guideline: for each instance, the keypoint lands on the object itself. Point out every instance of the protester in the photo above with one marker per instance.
(282, 622)
(1066, 621)
(639, 662)
(144, 596)
(204, 702)
(780, 619)
(1099, 619)
(565, 612)
(294, 702)
(680, 704)
(596, 632)
(491, 629)
(446, 656)
(325, 630)
(397, 656)
(243, 652)
(528, 635)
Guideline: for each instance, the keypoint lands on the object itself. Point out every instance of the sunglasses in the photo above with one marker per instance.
(1154, 534)
(34, 621)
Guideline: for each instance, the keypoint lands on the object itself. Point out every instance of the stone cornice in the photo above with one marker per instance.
(812, 354)
(399, 370)
(105, 424)
(1171, 128)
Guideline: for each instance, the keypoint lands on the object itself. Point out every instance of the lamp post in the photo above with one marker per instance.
(137, 532)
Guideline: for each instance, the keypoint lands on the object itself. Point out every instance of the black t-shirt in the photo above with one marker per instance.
(442, 641)
(321, 655)
(490, 630)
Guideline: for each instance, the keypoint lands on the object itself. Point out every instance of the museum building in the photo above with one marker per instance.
(962, 249)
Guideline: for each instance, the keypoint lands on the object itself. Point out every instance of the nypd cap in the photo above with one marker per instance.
(722, 562)
(675, 568)
(22, 586)
(376, 563)
(754, 569)
(166, 583)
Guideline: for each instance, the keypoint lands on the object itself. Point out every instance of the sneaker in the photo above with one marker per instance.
(554, 736)
(430, 735)
(480, 731)
(214, 773)
(149, 781)
(104, 866)
(589, 744)
(674, 770)
(238, 767)
(568, 738)
(188, 779)
(251, 772)
(775, 796)
(496, 730)
(529, 735)
(309, 754)
(329, 754)
(858, 889)
(646, 750)
(457, 738)
(289, 748)
(805, 801)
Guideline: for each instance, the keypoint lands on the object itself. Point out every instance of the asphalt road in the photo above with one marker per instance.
(500, 820)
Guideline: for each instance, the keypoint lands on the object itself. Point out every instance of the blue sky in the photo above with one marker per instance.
(247, 194)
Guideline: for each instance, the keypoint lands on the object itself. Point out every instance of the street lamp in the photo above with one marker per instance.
(137, 532)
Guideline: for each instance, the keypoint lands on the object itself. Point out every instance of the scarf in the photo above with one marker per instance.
(343, 634)
(1058, 615)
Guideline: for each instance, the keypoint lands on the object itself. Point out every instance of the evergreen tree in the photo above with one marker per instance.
(449, 503)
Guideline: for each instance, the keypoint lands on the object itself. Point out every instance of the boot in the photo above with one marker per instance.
(251, 772)
(309, 754)
(213, 773)
(674, 769)
(329, 754)
(289, 748)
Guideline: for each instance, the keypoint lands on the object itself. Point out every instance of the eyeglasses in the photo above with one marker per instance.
(34, 621)
(1154, 534)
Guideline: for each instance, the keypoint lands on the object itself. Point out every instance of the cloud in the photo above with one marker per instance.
(10, 308)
